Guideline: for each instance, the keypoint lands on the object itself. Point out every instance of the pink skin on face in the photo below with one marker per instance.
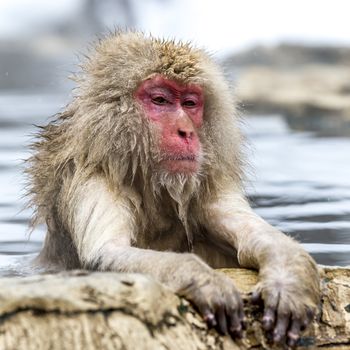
(177, 110)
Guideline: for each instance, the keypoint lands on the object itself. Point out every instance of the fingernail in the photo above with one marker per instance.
(255, 297)
(267, 323)
(236, 329)
(292, 342)
(293, 336)
(210, 319)
(277, 338)
(236, 332)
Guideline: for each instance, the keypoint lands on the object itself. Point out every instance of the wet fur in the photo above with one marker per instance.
(113, 142)
(95, 180)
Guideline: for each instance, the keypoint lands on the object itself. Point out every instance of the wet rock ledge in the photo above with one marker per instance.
(82, 310)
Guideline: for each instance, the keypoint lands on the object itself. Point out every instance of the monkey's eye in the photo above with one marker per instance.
(159, 100)
(189, 103)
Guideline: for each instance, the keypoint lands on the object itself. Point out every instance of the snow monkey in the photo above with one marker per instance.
(142, 172)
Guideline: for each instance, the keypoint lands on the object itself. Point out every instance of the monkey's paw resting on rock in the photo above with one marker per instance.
(289, 303)
(218, 301)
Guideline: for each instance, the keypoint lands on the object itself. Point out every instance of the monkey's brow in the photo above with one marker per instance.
(159, 89)
(165, 92)
(178, 94)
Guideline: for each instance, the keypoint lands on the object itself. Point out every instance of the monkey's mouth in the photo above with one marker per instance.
(191, 158)
(187, 164)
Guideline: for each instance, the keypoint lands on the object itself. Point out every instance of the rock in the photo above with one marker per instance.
(309, 86)
(312, 97)
(81, 310)
(289, 55)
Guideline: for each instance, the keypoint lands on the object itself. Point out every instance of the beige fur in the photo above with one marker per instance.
(114, 143)
(95, 181)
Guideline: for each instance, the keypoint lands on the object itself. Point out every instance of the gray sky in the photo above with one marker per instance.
(219, 25)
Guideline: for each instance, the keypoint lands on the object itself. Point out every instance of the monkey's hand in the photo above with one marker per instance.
(218, 301)
(290, 293)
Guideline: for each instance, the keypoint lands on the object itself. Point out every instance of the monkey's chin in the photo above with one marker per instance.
(183, 166)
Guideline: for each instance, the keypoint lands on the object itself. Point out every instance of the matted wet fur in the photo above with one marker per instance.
(95, 179)
(101, 133)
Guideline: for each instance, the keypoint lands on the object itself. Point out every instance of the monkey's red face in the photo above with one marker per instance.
(177, 112)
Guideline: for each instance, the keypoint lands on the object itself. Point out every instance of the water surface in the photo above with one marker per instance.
(301, 184)
(298, 181)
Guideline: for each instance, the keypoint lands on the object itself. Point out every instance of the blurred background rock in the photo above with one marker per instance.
(289, 63)
(308, 85)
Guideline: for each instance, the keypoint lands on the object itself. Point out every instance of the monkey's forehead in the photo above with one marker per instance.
(123, 60)
(179, 61)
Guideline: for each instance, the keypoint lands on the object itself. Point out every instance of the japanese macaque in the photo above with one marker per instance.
(143, 173)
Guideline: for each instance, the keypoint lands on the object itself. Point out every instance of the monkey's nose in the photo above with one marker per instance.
(185, 134)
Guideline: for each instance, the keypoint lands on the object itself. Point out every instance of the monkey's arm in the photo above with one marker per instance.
(103, 227)
(289, 282)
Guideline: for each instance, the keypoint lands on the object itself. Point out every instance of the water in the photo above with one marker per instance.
(18, 113)
(300, 182)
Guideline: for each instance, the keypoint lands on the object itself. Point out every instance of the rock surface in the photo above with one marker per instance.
(289, 55)
(315, 98)
(81, 310)
(309, 86)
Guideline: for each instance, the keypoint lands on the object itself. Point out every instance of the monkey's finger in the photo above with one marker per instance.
(207, 314)
(255, 297)
(235, 324)
(310, 314)
(269, 318)
(293, 334)
(281, 327)
(239, 308)
(221, 319)
(241, 311)
(209, 318)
